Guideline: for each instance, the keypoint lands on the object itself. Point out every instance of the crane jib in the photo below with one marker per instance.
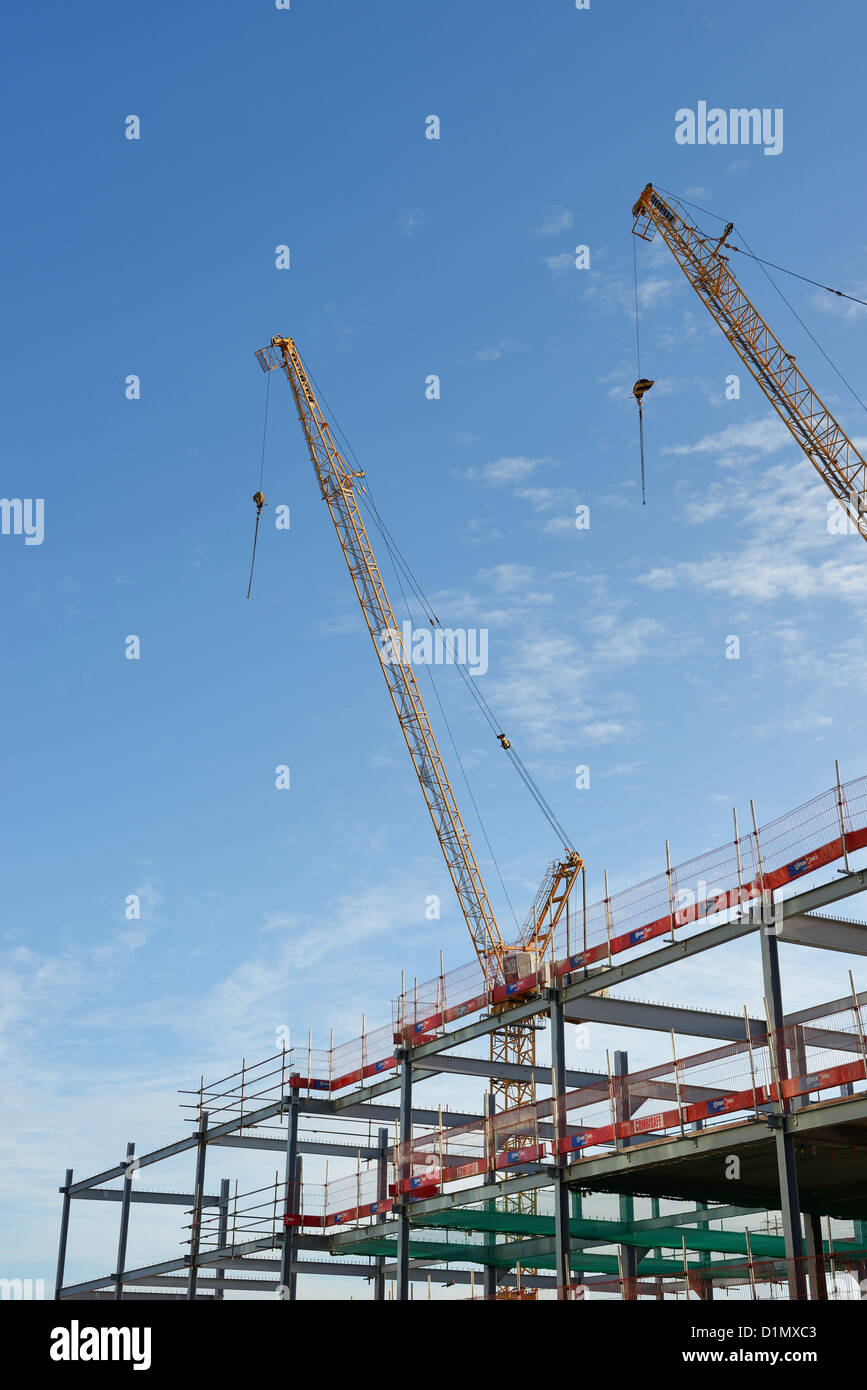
(820, 436)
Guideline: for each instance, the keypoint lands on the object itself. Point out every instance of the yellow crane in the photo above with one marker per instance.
(500, 962)
(701, 259)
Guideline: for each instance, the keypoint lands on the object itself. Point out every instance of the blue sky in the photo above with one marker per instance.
(409, 257)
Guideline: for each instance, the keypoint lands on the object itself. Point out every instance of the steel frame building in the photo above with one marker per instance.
(790, 1151)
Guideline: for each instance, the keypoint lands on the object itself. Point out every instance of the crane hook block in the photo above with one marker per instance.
(504, 742)
(641, 386)
(261, 501)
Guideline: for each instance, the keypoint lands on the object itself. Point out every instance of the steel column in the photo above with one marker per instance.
(195, 1232)
(490, 1274)
(789, 1201)
(815, 1257)
(64, 1234)
(223, 1233)
(404, 1170)
(381, 1195)
(562, 1244)
(290, 1205)
(124, 1219)
(627, 1254)
(293, 1272)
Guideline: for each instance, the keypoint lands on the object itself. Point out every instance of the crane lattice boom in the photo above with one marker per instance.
(821, 437)
(338, 484)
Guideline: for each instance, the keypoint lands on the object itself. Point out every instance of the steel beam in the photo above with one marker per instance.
(827, 933)
(662, 1018)
(163, 1199)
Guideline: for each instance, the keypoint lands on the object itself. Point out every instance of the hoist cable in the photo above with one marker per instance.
(255, 543)
(259, 494)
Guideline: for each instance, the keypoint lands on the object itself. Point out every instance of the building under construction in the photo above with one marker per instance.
(738, 1171)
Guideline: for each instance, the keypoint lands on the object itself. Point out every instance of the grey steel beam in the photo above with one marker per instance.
(387, 1113)
(695, 1216)
(124, 1219)
(826, 933)
(506, 1071)
(305, 1146)
(164, 1199)
(64, 1234)
(662, 1018)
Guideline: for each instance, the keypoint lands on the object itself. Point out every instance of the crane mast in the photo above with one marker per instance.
(821, 437)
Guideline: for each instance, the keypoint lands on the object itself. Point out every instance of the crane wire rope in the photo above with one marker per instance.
(259, 496)
(637, 393)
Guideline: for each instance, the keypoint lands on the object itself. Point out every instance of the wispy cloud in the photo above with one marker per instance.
(410, 220)
(740, 442)
(493, 354)
(556, 220)
(560, 263)
(503, 471)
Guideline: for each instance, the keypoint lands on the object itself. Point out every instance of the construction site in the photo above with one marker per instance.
(738, 1171)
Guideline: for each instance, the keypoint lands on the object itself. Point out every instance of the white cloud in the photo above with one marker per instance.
(506, 470)
(753, 438)
(838, 305)
(604, 731)
(410, 220)
(557, 219)
(493, 354)
(558, 264)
